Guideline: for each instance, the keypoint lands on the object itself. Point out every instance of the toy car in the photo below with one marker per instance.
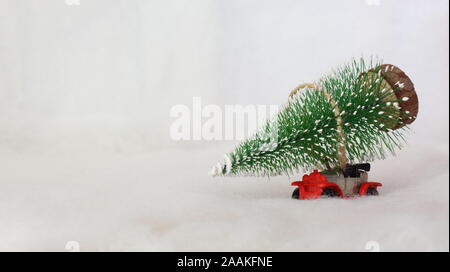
(350, 182)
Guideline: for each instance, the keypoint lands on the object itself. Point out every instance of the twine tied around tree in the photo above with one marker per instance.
(341, 149)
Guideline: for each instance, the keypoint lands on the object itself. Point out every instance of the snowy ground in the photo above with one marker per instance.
(165, 201)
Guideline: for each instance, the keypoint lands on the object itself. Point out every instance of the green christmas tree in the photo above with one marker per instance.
(358, 113)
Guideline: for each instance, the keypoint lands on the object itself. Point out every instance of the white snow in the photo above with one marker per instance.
(228, 164)
(110, 201)
(213, 171)
(401, 85)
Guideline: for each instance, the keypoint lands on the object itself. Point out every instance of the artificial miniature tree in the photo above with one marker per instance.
(357, 113)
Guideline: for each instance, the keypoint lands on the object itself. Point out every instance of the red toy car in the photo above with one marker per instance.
(348, 183)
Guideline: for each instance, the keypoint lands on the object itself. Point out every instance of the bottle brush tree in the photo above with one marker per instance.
(357, 113)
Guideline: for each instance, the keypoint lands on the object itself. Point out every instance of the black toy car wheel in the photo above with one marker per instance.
(329, 192)
(371, 191)
(296, 194)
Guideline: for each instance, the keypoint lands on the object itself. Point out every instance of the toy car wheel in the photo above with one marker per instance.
(329, 192)
(372, 191)
(296, 194)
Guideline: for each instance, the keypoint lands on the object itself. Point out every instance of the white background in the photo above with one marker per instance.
(85, 150)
